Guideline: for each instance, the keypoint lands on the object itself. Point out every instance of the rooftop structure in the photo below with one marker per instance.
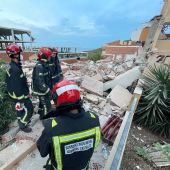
(14, 35)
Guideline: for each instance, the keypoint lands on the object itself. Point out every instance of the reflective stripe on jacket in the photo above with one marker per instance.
(69, 140)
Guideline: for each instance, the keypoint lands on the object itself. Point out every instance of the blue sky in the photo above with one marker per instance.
(78, 23)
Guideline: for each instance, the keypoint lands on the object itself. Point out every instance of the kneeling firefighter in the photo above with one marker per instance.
(71, 137)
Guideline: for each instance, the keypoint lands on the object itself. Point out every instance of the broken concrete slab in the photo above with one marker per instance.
(14, 130)
(34, 135)
(98, 77)
(92, 98)
(15, 153)
(120, 96)
(93, 86)
(125, 79)
(33, 161)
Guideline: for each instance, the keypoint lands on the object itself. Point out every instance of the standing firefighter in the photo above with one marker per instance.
(17, 88)
(55, 68)
(71, 137)
(41, 81)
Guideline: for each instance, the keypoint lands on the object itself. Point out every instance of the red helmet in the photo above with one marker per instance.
(44, 53)
(12, 49)
(65, 92)
(55, 50)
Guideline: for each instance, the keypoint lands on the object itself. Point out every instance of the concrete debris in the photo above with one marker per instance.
(92, 98)
(125, 79)
(93, 86)
(86, 106)
(105, 152)
(107, 110)
(102, 104)
(135, 137)
(95, 110)
(98, 77)
(15, 152)
(103, 119)
(120, 96)
(95, 79)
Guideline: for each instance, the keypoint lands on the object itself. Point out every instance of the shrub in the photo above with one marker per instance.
(154, 107)
(7, 112)
(94, 56)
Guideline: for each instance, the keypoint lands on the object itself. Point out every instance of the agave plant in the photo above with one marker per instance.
(154, 107)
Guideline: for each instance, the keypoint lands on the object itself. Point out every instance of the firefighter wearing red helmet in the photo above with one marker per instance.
(41, 81)
(55, 68)
(17, 88)
(70, 137)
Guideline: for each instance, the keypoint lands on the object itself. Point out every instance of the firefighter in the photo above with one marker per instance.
(71, 136)
(17, 88)
(55, 68)
(41, 81)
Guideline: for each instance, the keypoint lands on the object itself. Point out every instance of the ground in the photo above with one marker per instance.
(139, 136)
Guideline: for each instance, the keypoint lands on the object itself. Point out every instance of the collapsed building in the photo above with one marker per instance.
(107, 88)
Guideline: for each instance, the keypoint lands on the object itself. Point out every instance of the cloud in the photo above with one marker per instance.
(78, 19)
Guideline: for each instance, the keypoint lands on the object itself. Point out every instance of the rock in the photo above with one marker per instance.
(120, 96)
(93, 86)
(139, 128)
(125, 79)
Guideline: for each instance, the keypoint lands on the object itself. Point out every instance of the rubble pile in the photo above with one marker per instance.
(102, 84)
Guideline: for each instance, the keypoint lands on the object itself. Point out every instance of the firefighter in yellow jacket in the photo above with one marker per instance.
(69, 138)
(17, 88)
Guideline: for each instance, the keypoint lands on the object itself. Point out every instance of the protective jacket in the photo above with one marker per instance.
(41, 82)
(69, 140)
(55, 70)
(16, 81)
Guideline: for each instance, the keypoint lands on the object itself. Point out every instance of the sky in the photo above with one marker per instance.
(85, 24)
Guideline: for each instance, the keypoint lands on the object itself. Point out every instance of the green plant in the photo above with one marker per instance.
(7, 112)
(142, 151)
(164, 149)
(94, 56)
(154, 107)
